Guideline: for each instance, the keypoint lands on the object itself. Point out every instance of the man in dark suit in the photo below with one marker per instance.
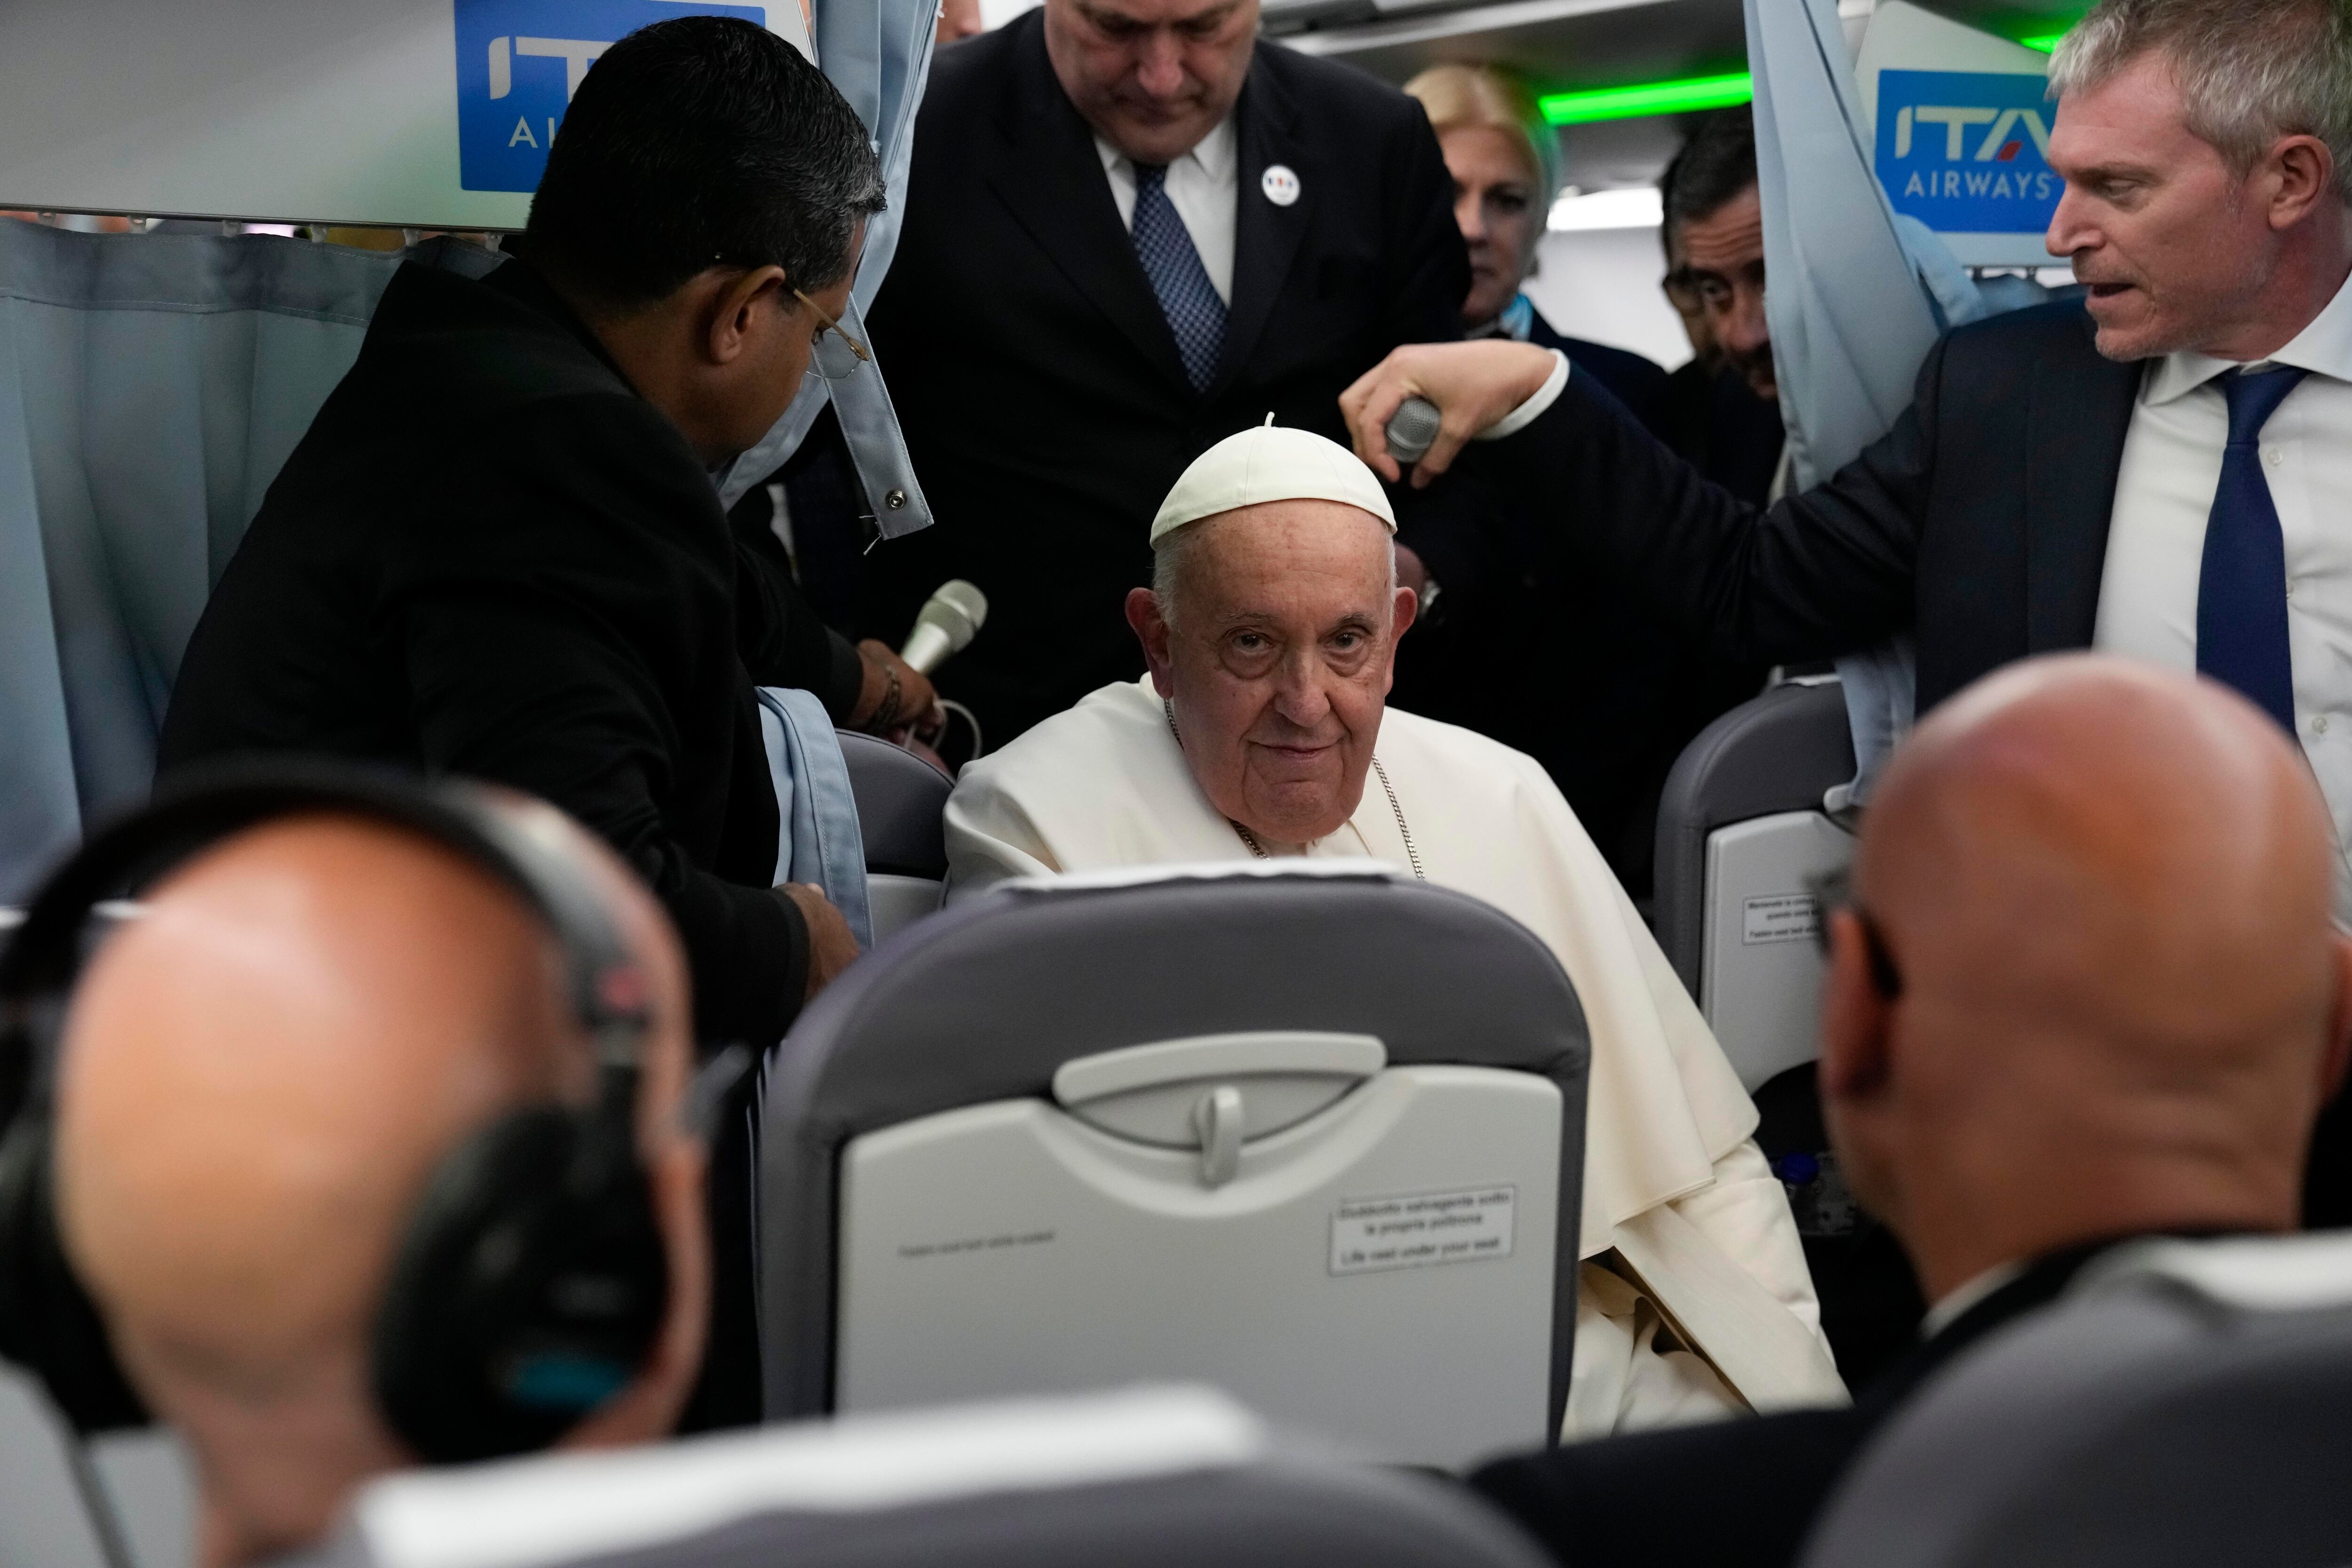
(498, 550)
(2082, 475)
(2086, 988)
(1131, 230)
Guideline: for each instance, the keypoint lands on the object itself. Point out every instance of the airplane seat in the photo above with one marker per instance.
(124, 1498)
(1742, 830)
(902, 802)
(52, 1512)
(2186, 1404)
(1741, 827)
(149, 1480)
(1163, 1477)
(150, 387)
(1257, 1126)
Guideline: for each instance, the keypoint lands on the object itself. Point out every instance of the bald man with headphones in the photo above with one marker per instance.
(363, 1144)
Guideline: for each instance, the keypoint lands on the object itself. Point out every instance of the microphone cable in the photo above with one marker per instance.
(950, 706)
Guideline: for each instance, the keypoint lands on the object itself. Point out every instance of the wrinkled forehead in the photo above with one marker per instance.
(1291, 551)
(1157, 12)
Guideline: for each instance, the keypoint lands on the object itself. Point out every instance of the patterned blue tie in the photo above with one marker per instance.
(1187, 298)
(2242, 588)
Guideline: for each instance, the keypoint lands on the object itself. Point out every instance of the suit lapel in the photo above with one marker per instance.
(2077, 418)
(1047, 172)
(1265, 237)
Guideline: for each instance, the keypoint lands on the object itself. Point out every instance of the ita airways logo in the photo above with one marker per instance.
(519, 63)
(1968, 152)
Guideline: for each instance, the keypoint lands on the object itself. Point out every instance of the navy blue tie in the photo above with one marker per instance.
(2242, 588)
(1195, 315)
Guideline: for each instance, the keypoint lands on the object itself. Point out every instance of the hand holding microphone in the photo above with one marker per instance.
(1418, 407)
(898, 699)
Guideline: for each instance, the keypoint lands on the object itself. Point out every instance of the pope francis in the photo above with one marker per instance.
(1270, 630)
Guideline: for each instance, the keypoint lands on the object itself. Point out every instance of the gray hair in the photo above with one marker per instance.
(1169, 555)
(2250, 71)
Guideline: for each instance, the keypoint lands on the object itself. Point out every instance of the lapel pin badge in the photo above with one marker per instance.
(1279, 183)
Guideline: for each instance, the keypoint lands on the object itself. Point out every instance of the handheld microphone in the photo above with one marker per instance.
(1413, 430)
(946, 626)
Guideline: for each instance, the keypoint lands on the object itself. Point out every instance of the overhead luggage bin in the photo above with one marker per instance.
(422, 113)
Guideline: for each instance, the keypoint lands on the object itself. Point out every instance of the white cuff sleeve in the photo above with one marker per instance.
(1527, 413)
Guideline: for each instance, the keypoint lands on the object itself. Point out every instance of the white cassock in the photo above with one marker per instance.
(1687, 1240)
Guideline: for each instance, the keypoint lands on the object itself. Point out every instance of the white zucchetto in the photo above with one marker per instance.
(1270, 463)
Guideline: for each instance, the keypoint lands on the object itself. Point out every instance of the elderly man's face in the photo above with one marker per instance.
(1278, 660)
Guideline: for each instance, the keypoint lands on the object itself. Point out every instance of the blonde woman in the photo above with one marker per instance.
(1505, 160)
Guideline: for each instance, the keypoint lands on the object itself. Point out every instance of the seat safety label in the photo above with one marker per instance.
(1418, 1230)
(1778, 917)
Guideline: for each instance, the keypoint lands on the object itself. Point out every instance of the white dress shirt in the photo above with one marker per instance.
(1950, 1309)
(1203, 185)
(2155, 538)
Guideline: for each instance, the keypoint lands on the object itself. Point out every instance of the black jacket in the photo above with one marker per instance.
(1038, 384)
(1633, 379)
(1537, 644)
(1739, 1493)
(1979, 520)
(489, 556)
(1717, 424)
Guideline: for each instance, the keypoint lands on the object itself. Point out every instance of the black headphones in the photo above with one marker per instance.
(531, 1282)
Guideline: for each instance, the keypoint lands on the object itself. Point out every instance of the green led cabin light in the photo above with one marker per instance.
(2045, 42)
(1648, 97)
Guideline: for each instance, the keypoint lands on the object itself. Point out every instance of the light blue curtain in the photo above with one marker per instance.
(1856, 295)
(151, 387)
(878, 53)
(818, 840)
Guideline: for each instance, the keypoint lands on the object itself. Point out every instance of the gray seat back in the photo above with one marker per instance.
(1740, 828)
(53, 1512)
(2187, 1404)
(149, 1481)
(902, 801)
(124, 1498)
(1141, 1479)
(985, 1004)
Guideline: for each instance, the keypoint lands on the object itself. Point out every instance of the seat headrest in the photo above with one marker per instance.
(2184, 1404)
(1288, 869)
(570, 1508)
(2245, 1273)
